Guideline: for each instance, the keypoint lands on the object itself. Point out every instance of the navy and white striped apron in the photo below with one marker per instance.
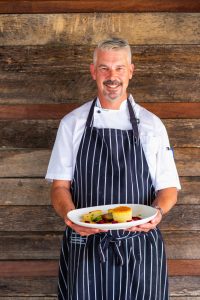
(111, 168)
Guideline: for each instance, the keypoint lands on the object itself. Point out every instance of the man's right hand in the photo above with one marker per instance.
(82, 230)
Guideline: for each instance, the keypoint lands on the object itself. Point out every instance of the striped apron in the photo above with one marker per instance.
(111, 168)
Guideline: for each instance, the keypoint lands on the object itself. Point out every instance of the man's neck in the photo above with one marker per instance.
(115, 105)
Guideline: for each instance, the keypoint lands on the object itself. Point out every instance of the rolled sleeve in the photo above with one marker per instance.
(166, 173)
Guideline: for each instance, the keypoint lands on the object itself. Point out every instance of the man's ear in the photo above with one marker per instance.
(132, 67)
(93, 71)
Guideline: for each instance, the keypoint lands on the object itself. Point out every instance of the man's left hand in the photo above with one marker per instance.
(147, 226)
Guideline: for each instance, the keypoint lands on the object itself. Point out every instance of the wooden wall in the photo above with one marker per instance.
(45, 51)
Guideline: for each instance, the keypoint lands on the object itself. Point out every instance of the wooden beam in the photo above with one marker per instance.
(13, 269)
(89, 29)
(44, 219)
(57, 111)
(36, 191)
(184, 267)
(42, 133)
(32, 163)
(36, 245)
(36, 288)
(54, 74)
(49, 6)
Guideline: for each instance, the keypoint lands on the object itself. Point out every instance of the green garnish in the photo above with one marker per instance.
(97, 219)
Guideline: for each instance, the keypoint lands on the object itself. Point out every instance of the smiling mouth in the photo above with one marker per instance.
(113, 84)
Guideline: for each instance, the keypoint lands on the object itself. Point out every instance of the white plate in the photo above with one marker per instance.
(147, 213)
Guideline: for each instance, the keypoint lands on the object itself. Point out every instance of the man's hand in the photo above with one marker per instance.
(82, 230)
(147, 226)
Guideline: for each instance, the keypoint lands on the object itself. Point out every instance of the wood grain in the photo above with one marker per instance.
(35, 191)
(34, 298)
(29, 286)
(25, 245)
(187, 161)
(24, 163)
(47, 6)
(190, 187)
(89, 28)
(33, 162)
(182, 245)
(12, 269)
(24, 191)
(57, 111)
(60, 74)
(183, 287)
(42, 133)
(44, 219)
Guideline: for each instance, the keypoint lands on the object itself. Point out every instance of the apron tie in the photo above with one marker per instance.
(116, 246)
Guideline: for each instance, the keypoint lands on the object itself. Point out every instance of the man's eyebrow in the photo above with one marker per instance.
(117, 66)
(102, 65)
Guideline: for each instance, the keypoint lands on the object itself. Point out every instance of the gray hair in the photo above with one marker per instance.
(113, 44)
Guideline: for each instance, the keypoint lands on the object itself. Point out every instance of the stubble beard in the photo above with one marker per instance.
(112, 96)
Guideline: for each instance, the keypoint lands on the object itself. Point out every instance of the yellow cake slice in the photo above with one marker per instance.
(122, 214)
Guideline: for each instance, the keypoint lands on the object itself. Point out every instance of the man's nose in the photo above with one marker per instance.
(112, 74)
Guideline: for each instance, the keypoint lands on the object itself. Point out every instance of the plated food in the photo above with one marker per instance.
(119, 214)
(140, 214)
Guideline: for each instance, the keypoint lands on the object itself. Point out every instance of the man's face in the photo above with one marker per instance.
(112, 72)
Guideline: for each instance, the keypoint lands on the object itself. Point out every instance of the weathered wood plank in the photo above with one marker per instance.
(27, 218)
(14, 246)
(33, 163)
(57, 111)
(182, 245)
(59, 6)
(13, 269)
(184, 287)
(186, 159)
(33, 288)
(44, 219)
(23, 163)
(183, 215)
(36, 298)
(28, 134)
(58, 74)
(55, 298)
(23, 246)
(184, 297)
(182, 132)
(24, 191)
(29, 268)
(89, 28)
(190, 187)
(29, 286)
(42, 133)
(34, 191)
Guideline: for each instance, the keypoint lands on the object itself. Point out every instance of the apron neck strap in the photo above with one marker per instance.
(90, 117)
(133, 120)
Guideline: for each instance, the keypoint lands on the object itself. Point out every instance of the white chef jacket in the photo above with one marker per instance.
(152, 134)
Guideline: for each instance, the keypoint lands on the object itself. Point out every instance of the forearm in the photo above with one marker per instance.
(61, 199)
(166, 199)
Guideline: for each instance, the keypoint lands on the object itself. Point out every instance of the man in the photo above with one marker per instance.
(109, 151)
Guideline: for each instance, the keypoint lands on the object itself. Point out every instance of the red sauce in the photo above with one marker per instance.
(105, 221)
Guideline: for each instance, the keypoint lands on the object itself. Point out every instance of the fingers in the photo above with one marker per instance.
(83, 231)
(147, 226)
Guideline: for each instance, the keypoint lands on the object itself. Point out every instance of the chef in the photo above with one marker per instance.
(112, 151)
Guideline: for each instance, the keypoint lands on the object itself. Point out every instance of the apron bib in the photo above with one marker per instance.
(111, 168)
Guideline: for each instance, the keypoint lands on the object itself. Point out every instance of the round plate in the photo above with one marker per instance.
(145, 212)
